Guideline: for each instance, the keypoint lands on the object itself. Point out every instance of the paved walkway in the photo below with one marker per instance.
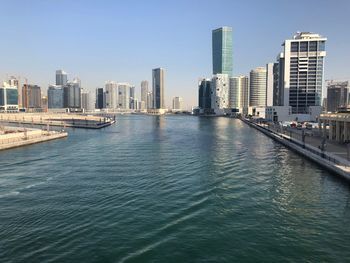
(313, 138)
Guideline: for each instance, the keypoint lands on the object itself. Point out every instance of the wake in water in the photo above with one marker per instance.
(19, 190)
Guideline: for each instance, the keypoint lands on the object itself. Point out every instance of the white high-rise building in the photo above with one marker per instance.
(177, 104)
(220, 87)
(142, 106)
(149, 100)
(8, 97)
(123, 96)
(269, 84)
(144, 91)
(85, 100)
(111, 90)
(239, 93)
(302, 64)
(257, 91)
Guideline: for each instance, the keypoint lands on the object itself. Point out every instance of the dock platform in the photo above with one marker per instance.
(58, 119)
(13, 137)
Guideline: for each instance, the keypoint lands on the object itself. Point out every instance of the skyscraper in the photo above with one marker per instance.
(303, 65)
(31, 96)
(144, 91)
(158, 88)
(100, 97)
(222, 50)
(239, 93)
(149, 100)
(61, 77)
(123, 96)
(220, 93)
(85, 100)
(337, 95)
(111, 89)
(55, 97)
(269, 84)
(177, 103)
(204, 96)
(257, 91)
(72, 94)
(132, 104)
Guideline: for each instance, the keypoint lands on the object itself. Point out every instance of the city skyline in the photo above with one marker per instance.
(185, 54)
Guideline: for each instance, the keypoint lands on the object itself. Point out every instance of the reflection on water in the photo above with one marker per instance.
(161, 188)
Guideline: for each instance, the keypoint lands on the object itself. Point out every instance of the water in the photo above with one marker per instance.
(169, 189)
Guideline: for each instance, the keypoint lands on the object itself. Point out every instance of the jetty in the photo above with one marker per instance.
(330, 161)
(12, 137)
(58, 119)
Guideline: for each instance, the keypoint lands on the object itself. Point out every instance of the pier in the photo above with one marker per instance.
(58, 119)
(328, 160)
(13, 137)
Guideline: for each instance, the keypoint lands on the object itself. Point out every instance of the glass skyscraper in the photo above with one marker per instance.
(158, 88)
(222, 50)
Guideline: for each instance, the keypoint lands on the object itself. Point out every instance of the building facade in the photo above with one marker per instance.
(149, 100)
(177, 104)
(257, 90)
(220, 93)
(8, 98)
(222, 50)
(337, 95)
(55, 97)
(144, 91)
(239, 93)
(204, 95)
(61, 77)
(303, 67)
(100, 98)
(111, 90)
(85, 100)
(123, 96)
(270, 82)
(158, 88)
(72, 95)
(31, 96)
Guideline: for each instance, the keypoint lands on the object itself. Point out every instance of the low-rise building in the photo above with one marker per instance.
(335, 126)
(8, 98)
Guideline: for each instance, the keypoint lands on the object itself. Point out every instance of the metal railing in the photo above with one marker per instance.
(286, 134)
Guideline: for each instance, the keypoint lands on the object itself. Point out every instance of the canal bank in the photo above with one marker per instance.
(327, 160)
(17, 137)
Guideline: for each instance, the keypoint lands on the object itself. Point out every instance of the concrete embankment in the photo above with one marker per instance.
(18, 139)
(58, 119)
(330, 162)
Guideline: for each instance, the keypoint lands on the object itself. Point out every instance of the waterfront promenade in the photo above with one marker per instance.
(330, 157)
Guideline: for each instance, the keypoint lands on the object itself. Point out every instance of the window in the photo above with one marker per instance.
(322, 45)
(294, 47)
(304, 46)
(313, 46)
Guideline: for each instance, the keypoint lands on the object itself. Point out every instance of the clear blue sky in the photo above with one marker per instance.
(124, 40)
